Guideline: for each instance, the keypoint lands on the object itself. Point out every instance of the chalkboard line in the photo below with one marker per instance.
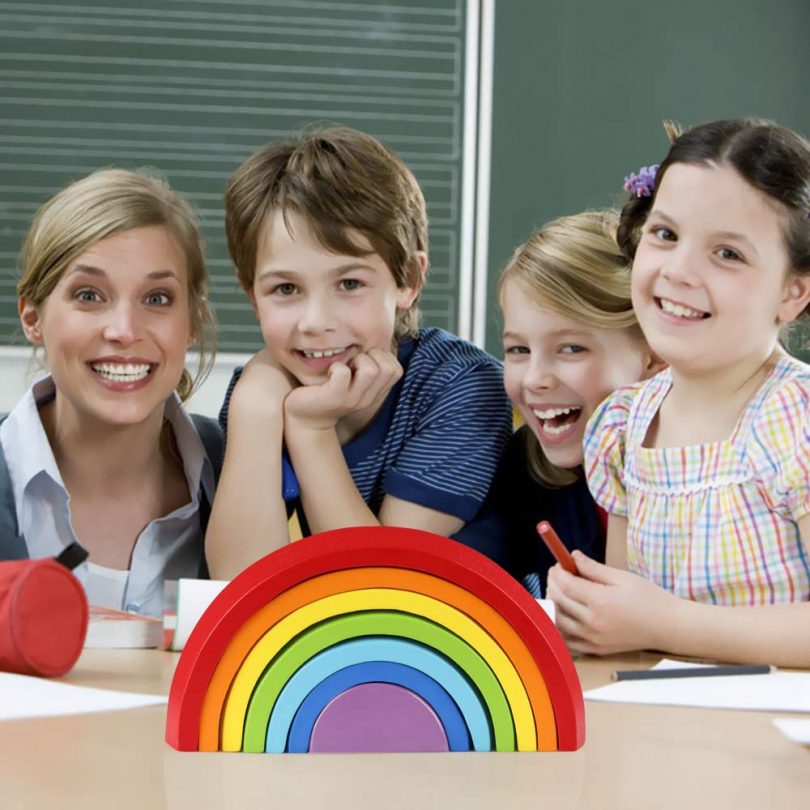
(191, 88)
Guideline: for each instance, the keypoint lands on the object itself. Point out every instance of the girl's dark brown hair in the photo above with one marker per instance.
(771, 158)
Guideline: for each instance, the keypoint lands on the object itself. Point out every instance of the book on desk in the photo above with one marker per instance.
(109, 628)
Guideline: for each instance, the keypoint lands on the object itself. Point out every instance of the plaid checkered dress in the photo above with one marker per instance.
(716, 522)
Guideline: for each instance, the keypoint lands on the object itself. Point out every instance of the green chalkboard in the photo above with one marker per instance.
(581, 88)
(191, 87)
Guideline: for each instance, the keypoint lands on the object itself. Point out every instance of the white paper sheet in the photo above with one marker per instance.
(796, 730)
(776, 692)
(27, 696)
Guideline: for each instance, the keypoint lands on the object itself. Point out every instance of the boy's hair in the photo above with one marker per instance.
(771, 158)
(573, 266)
(104, 203)
(338, 180)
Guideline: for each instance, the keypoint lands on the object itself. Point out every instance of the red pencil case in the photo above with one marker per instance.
(43, 617)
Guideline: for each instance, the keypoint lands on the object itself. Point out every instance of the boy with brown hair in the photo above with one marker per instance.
(382, 423)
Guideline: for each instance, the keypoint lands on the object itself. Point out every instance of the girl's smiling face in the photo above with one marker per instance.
(711, 281)
(557, 370)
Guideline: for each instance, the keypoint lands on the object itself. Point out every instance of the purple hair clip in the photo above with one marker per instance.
(641, 184)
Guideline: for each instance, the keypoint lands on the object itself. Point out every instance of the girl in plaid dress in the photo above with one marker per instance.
(704, 470)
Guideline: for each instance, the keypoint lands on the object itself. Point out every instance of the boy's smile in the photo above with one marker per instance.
(319, 360)
(317, 307)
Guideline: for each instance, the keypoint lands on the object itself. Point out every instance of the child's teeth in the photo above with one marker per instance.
(556, 431)
(679, 310)
(552, 412)
(329, 353)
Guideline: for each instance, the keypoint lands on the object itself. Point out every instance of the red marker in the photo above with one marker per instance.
(556, 547)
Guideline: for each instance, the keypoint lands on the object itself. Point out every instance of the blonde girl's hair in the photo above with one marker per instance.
(573, 266)
(104, 203)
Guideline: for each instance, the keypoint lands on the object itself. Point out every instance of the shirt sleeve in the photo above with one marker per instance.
(289, 482)
(223, 411)
(605, 442)
(517, 500)
(780, 449)
(450, 461)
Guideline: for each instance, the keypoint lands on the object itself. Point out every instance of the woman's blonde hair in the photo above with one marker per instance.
(104, 203)
(574, 266)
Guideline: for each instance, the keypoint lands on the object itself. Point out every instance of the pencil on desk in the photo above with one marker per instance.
(691, 672)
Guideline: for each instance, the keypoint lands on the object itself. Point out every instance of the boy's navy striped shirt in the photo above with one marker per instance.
(438, 438)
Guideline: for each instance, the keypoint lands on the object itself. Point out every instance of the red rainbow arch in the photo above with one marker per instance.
(542, 690)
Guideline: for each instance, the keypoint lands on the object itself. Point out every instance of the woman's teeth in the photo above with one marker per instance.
(123, 372)
(681, 311)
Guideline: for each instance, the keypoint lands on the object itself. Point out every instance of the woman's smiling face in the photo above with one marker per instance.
(116, 327)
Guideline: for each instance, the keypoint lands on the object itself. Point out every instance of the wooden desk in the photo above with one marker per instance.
(635, 757)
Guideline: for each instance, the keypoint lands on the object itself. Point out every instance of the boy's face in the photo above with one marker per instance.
(315, 307)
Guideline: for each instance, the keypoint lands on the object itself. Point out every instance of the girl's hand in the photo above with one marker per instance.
(363, 386)
(606, 610)
(262, 388)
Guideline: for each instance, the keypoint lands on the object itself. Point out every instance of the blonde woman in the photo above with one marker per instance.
(570, 338)
(101, 451)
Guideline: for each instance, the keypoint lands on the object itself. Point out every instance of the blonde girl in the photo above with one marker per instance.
(570, 338)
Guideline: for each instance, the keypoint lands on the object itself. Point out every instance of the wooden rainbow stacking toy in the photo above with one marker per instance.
(375, 639)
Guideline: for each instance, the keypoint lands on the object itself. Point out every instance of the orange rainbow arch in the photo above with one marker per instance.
(295, 621)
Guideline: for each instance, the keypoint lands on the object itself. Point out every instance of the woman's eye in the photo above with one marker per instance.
(158, 299)
(350, 284)
(86, 296)
(285, 289)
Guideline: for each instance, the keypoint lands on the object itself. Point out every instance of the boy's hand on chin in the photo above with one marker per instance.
(360, 387)
(263, 385)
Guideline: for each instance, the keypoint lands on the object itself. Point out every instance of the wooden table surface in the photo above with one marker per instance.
(635, 757)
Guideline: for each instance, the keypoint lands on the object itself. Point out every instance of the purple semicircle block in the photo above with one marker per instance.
(377, 718)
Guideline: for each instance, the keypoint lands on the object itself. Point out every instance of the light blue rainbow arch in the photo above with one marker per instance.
(395, 661)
